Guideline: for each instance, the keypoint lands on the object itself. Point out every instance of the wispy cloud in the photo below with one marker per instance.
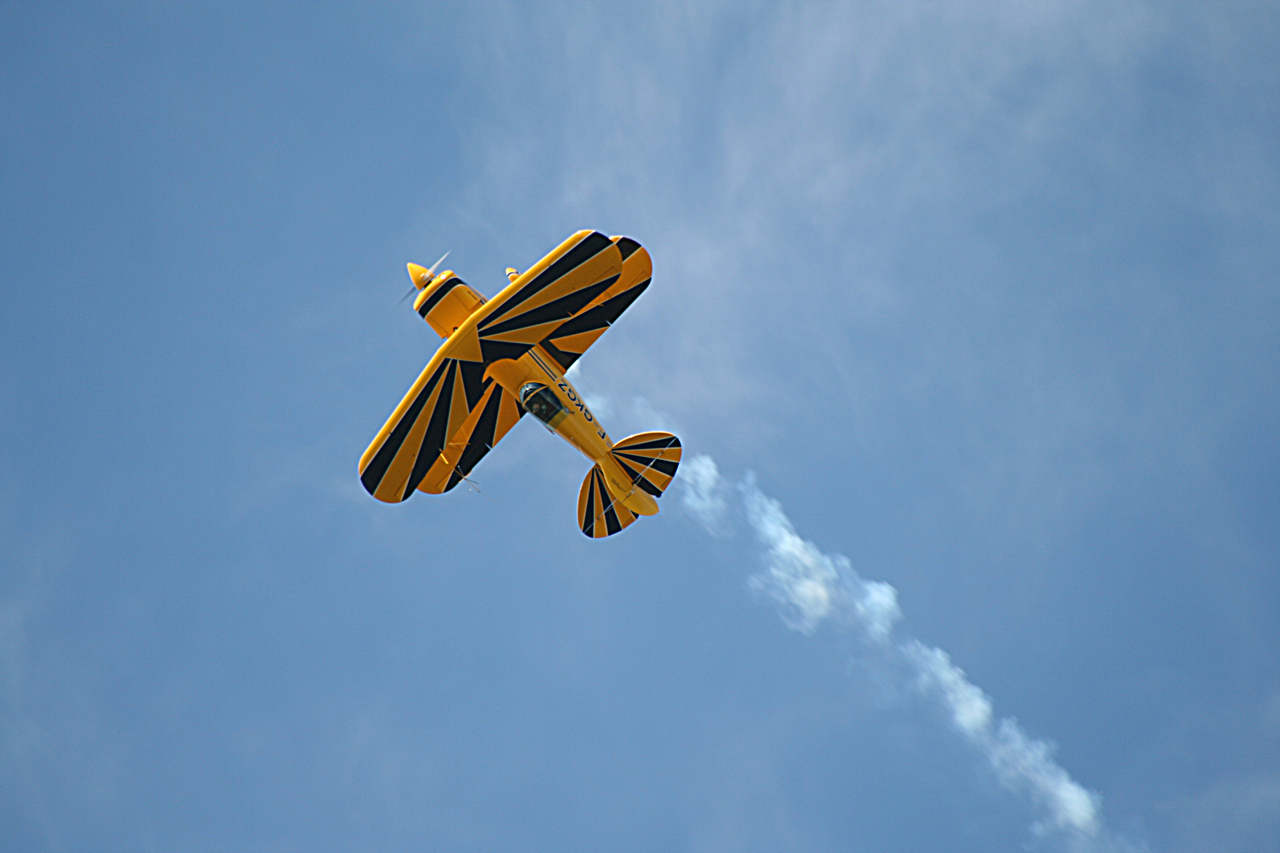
(812, 588)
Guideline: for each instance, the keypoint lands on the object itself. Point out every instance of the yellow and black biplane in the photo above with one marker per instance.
(507, 356)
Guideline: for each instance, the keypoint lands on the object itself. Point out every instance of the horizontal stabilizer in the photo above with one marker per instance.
(650, 459)
(600, 514)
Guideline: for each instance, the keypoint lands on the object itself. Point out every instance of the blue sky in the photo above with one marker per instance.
(982, 295)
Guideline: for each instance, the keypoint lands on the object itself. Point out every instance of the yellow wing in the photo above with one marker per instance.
(570, 339)
(416, 434)
(566, 301)
(491, 419)
(541, 300)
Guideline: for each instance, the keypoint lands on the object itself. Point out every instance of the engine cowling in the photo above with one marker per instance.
(446, 302)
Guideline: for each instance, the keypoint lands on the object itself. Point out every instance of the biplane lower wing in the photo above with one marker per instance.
(492, 418)
(416, 434)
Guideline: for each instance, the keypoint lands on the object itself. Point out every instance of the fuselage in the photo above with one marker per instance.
(574, 422)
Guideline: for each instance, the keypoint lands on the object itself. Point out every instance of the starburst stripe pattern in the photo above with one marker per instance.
(541, 300)
(572, 338)
(435, 408)
(491, 419)
(599, 515)
(650, 459)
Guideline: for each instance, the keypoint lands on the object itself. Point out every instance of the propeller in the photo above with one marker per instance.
(431, 273)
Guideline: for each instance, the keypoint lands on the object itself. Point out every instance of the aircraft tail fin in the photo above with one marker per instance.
(600, 514)
(650, 459)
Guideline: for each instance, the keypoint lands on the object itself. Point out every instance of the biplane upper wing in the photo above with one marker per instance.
(534, 306)
(453, 414)
(570, 339)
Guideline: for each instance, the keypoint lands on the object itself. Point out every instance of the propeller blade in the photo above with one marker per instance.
(433, 267)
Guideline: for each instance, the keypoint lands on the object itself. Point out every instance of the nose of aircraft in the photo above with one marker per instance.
(419, 275)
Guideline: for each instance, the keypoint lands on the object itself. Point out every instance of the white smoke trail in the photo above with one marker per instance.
(811, 588)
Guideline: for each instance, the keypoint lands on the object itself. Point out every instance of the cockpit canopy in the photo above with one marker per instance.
(539, 401)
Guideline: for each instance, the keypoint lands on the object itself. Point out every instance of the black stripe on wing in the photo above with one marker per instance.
(473, 382)
(492, 351)
(586, 248)
(627, 246)
(376, 470)
(437, 430)
(602, 315)
(482, 438)
(557, 309)
(564, 359)
(372, 476)
(593, 319)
